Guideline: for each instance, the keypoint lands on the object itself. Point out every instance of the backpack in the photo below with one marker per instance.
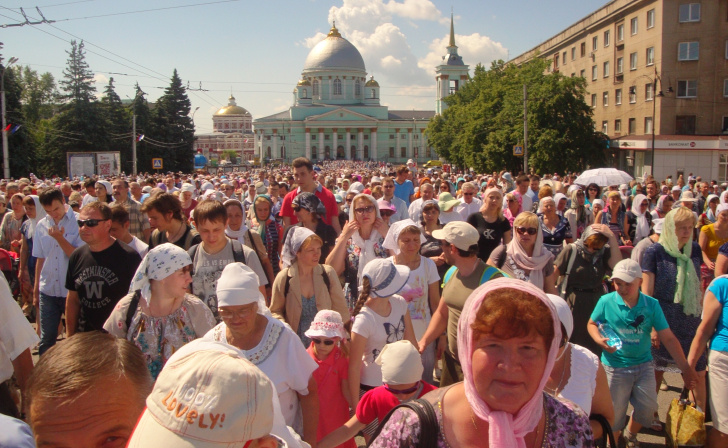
(488, 274)
(238, 255)
(133, 305)
(324, 275)
(156, 238)
(429, 426)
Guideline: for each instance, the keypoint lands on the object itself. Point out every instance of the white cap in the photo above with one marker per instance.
(207, 395)
(401, 363)
(627, 270)
(385, 277)
(458, 233)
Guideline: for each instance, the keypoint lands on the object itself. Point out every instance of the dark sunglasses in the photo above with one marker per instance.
(89, 222)
(319, 341)
(526, 230)
(349, 199)
(367, 209)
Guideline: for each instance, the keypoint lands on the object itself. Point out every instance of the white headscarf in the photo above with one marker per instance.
(367, 247)
(295, 238)
(240, 233)
(159, 263)
(643, 227)
(40, 213)
(392, 238)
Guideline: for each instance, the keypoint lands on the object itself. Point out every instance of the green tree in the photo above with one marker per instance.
(140, 109)
(484, 120)
(39, 94)
(118, 123)
(20, 145)
(173, 132)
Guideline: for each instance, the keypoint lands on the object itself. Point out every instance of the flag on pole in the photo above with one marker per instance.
(7, 128)
(15, 128)
(140, 137)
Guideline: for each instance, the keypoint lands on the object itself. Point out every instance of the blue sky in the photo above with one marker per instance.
(257, 49)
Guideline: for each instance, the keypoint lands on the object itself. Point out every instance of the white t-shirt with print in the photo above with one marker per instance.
(379, 331)
(417, 294)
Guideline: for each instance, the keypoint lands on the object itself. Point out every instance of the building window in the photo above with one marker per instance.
(391, 151)
(690, 12)
(573, 53)
(650, 18)
(315, 87)
(594, 73)
(620, 32)
(633, 61)
(649, 92)
(723, 165)
(605, 99)
(617, 126)
(314, 153)
(620, 65)
(648, 125)
(337, 87)
(632, 95)
(403, 152)
(583, 49)
(582, 73)
(724, 128)
(633, 26)
(650, 56)
(594, 100)
(685, 124)
(326, 137)
(688, 51)
(687, 88)
(357, 88)
(374, 94)
(726, 49)
(563, 58)
(606, 69)
(606, 38)
(595, 43)
(632, 129)
(725, 87)
(618, 96)
(556, 61)
(605, 127)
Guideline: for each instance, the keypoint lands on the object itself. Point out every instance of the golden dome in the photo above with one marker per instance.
(232, 108)
(304, 82)
(371, 83)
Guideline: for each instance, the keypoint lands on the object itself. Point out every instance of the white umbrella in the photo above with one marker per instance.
(603, 177)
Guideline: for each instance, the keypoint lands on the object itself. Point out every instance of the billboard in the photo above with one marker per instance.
(93, 163)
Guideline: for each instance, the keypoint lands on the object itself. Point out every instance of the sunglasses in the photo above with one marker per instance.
(349, 199)
(319, 341)
(89, 222)
(468, 194)
(362, 210)
(526, 230)
(296, 208)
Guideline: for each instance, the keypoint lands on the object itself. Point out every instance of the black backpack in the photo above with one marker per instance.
(325, 276)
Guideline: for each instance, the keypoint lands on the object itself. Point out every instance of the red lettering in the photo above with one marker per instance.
(164, 400)
(172, 404)
(191, 416)
(213, 418)
(201, 423)
(181, 413)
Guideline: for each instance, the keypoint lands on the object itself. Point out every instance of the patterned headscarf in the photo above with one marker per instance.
(310, 202)
(158, 264)
(295, 238)
(687, 285)
(506, 430)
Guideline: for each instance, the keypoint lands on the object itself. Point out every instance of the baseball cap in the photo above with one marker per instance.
(627, 270)
(260, 188)
(207, 395)
(458, 233)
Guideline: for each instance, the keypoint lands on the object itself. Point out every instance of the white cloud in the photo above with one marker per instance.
(390, 62)
(416, 10)
(473, 48)
(100, 79)
(311, 42)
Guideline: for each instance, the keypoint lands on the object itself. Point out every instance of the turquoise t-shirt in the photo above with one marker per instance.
(633, 325)
(719, 340)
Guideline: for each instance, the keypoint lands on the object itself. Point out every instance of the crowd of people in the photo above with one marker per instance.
(298, 306)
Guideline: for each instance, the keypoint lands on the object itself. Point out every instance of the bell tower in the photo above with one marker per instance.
(452, 74)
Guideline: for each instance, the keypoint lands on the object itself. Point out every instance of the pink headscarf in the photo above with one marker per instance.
(505, 429)
(534, 263)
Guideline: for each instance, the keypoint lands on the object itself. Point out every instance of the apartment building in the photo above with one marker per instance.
(655, 69)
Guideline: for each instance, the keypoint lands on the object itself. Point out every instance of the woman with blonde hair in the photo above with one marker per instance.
(492, 224)
(525, 257)
(304, 286)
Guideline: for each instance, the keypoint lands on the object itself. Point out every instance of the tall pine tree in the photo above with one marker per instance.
(173, 127)
(140, 109)
(118, 122)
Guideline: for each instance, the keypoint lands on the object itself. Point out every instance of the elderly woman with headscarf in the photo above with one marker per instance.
(310, 212)
(560, 200)
(269, 344)
(579, 215)
(509, 335)
(556, 229)
(710, 214)
(671, 275)
(493, 223)
(614, 216)
(103, 191)
(525, 257)
(422, 292)
(158, 315)
(270, 230)
(34, 211)
(639, 220)
(361, 240)
(663, 207)
(187, 198)
(597, 251)
(305, 286)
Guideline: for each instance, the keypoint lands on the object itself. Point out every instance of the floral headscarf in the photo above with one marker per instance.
(687, 286)
(296, 236)
(310, 202)
(505, 430)
(158, 264)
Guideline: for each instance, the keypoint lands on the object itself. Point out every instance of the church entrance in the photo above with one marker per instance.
(340, 153)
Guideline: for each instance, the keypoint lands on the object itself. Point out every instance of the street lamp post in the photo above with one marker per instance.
(6, 153)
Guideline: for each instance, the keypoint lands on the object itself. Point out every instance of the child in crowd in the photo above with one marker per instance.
(326, 333)
(630, 373)
(384, 319)
(401, 373)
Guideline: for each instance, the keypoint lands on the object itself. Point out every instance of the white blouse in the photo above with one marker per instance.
(583, 378)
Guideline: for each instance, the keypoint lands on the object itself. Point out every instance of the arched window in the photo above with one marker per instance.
(327, 153)
(366, 152)
(268, 152)
(314, 153)
(374, 93)
(337, 87)
(352, 154)
(315, 87)
(357, 88)
(340, 152)
(305, 93)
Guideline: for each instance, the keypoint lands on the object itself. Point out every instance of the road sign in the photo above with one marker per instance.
(157, 164)
(518, 150)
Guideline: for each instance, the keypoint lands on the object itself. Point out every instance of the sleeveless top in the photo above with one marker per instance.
(583, 378)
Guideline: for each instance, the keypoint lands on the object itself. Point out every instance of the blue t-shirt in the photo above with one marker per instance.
(403, 191)
(632, 325)
(719, 340)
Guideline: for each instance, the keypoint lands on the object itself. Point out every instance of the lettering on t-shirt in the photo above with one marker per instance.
(91, 282)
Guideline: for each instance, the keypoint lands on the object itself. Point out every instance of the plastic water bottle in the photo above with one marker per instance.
(612, 339)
